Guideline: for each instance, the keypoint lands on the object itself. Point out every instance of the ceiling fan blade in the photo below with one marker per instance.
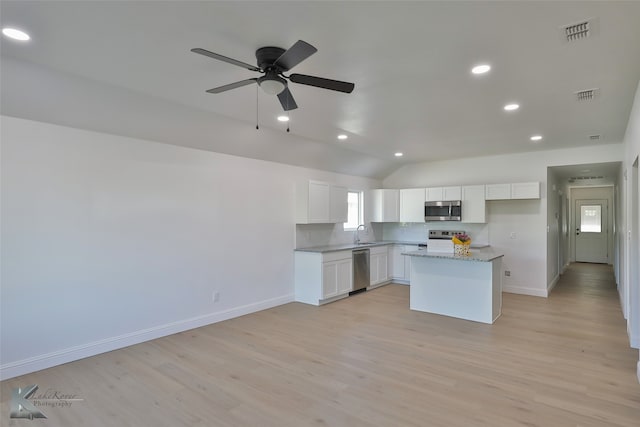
(322, 83)
(287, 101)
(297, 53)
(232, 86)
(225, 59)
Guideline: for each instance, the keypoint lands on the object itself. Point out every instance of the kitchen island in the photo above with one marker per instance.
(466, 287)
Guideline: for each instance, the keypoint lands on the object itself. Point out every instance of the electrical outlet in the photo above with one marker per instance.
(215, 296)
(507, 273)
(512, 235)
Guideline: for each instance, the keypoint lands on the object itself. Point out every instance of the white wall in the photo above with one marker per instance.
(525, 256)
(554, 209)
(631, 246)
(109, 241)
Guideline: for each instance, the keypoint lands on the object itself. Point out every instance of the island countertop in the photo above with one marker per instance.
(482, 255)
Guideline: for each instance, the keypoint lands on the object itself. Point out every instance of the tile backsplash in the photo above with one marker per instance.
(308, 235)
(418, 232)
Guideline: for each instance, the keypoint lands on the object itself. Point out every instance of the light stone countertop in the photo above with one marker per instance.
(483, 255)
(350, 246)
(364, 245)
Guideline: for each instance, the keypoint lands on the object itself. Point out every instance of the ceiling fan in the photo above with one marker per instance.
(273, 62)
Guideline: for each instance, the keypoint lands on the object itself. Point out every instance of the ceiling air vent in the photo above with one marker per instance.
(584, 178)
(594, 137)
(577, 31)
(586, 95)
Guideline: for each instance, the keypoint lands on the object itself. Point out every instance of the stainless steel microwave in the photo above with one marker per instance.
(443, 211)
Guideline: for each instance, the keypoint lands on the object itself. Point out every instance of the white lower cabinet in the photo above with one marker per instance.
(322, 277)
(379, 265)
(401, 264)
(336, 278)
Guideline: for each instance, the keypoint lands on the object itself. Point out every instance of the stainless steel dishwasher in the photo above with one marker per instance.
(360, 270)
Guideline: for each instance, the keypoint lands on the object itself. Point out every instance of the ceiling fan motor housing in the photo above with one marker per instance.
(267, 56)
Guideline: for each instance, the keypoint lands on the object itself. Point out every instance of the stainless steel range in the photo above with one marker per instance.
(440, 240)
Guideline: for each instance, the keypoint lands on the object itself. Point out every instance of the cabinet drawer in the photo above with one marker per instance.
(378, 250)
(335, 256)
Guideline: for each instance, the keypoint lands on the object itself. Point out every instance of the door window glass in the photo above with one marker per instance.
(591, 219)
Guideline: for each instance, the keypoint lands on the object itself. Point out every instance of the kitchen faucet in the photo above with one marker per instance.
(356, 236)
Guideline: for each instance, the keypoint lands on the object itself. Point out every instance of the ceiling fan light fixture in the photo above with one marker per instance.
(272, 83)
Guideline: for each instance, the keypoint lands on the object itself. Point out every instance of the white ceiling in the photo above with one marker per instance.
(126, 68)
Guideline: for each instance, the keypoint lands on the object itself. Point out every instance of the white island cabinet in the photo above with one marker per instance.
(466, 287)
(323, 277)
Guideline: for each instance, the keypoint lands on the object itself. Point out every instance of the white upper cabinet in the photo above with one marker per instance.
(434, 194)
(474, 207)
(452, 193)
(412, 204)
(525, 190)
(382, 205)
(439, 194)
(320, 202)
(521, 190)
(497, 191)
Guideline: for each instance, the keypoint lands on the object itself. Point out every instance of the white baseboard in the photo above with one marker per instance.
(36, 363)
(553, 284)
(638, 371)
(525, 291)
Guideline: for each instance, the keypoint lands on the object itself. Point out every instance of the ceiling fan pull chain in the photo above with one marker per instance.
(257, 127)
(288, 115)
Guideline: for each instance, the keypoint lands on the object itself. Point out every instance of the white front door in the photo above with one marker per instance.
(592, 243)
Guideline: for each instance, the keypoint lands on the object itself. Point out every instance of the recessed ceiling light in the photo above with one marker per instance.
(283, 118)
(585, 170)
(481, 69)
(398, 154)
(511, 107)
(15, 34)
(536, 137)
(342, 136)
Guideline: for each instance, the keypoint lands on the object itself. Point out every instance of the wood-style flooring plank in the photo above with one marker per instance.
(369, 361)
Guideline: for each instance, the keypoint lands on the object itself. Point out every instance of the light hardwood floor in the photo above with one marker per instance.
(370, 361)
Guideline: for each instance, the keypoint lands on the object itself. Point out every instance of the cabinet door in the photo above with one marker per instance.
(474, 207)
(407, 261)
(344, 276)
(373, 268)
(391, 206)
(338, 199)
(329, 279)
(397, 262)
(319, 205)
(434, 194)
(451, 193)
(498, 191)
(382, 268)
(412, 204)
(373, 206)
(525, 190)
